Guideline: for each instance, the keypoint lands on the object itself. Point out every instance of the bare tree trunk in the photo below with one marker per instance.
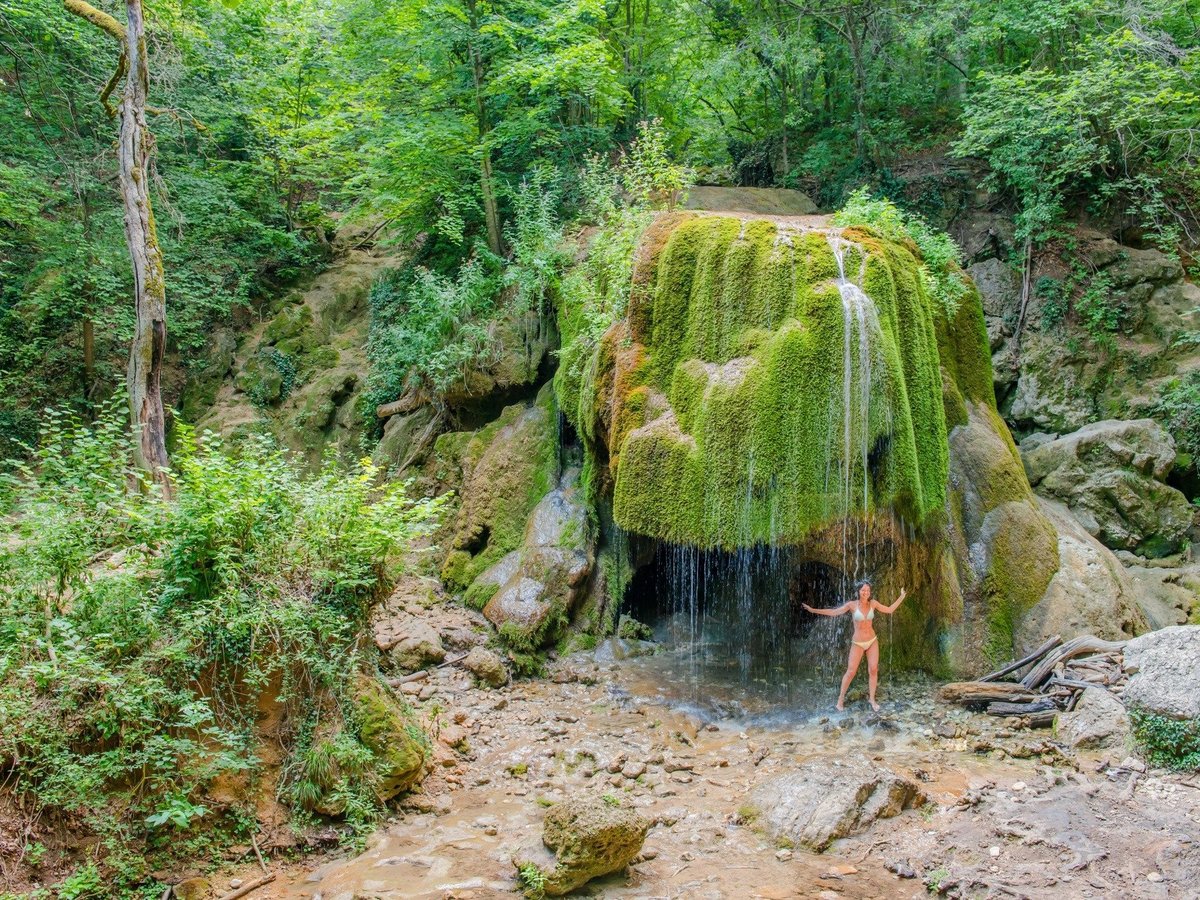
(146, 353)
(487, 184)
(150, 297)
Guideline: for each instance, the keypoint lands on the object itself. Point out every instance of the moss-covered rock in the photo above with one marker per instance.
(390, 731)
(717, 400)
(589, 837)
(507, 468)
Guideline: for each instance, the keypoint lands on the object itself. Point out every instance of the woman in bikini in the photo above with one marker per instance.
(865, 640)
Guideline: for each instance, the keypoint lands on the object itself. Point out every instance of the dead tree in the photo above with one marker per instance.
(144, 375)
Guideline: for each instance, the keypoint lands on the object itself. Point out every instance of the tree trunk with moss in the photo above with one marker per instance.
(144, 374)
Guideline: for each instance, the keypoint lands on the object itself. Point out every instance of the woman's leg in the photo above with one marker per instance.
(872, 673)
(856, 655)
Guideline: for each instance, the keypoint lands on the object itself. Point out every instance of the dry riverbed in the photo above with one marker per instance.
(1006, 812)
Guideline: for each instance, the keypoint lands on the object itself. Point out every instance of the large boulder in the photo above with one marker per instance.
(389, 729)
(529, 594)
(1098, 720)
(826, 799)
(589, 837)
(1111, 474)
(1164, 670)
(410, 642)
(1090, 592)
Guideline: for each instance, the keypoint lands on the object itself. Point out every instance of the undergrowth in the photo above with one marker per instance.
(137, 635)
(1171, 743)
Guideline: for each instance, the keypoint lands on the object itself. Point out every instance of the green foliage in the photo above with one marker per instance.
(649, 174)
(531, 880)
(137, 633)
(1179, 409)
(941, 258)
(1113, 116)
(1171, 743)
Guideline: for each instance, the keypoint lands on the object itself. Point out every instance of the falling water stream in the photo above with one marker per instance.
(737, 640)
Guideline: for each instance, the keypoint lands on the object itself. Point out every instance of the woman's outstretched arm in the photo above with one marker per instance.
(835, 611)
(891, 609)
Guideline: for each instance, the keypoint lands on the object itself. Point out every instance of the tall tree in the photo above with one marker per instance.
(144, 376)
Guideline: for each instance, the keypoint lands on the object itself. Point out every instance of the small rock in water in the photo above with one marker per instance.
(783, 855)
(1018, 786)
(1155, 877)
(995, 851)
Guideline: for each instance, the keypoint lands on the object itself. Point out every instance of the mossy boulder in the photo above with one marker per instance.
(716, 401)
(590, 837)
(389, 729)
(1112, 475)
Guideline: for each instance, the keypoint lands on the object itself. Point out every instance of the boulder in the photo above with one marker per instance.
(389, 729)
(1090, 592)
(826, 799)
(487, 666)
(589, 838)
(1098, 720)
(411, 643)
(1111, 475)
(1164, 670)
(543, 580)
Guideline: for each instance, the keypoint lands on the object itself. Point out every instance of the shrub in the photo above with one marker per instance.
(1171, 743)
(137, 633)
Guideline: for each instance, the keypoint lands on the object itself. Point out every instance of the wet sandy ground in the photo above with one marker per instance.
(1009, 815)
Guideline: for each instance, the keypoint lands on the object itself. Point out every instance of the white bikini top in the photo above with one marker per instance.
(858, 615)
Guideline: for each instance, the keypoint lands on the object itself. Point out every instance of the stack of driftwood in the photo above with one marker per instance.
(1058, 674)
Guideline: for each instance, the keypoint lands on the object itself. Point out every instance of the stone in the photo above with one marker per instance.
(1111, 474)
(1164, 672)
(1090, 593)
(487, 666)
(823, 800)
(414, 645)
(1099, 720)
(589, 838)
(192, 889)
(390, 731)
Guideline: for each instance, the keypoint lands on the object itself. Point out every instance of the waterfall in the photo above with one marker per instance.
(731, 613)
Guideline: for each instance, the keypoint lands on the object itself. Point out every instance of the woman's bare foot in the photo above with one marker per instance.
(841, 707)
(874, 706)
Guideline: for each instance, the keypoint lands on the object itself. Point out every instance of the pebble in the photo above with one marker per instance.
(783, 855)
(1155, 877)
(1018, 786)
(995, 851)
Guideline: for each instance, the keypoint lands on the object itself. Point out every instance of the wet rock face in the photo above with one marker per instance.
(590, 838)
(822, 801)
(1111, 475)
(1098, 720)
(1164, 669)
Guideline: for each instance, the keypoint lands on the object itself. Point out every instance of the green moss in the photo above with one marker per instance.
(388, 728)
(479, 593)
(507, 468)
(966, 359)
(717, 425)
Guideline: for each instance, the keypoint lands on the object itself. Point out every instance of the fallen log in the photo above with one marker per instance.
(981, 692)
(247, 888)
(1022, 663)
(1021, 709)
(1072, 648)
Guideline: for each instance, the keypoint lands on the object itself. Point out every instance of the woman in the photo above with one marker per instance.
(865, 640)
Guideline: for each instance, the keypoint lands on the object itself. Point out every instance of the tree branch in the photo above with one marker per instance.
(101, 20)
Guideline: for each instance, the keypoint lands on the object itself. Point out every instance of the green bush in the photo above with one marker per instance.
(137, 633)
(1171, 743)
